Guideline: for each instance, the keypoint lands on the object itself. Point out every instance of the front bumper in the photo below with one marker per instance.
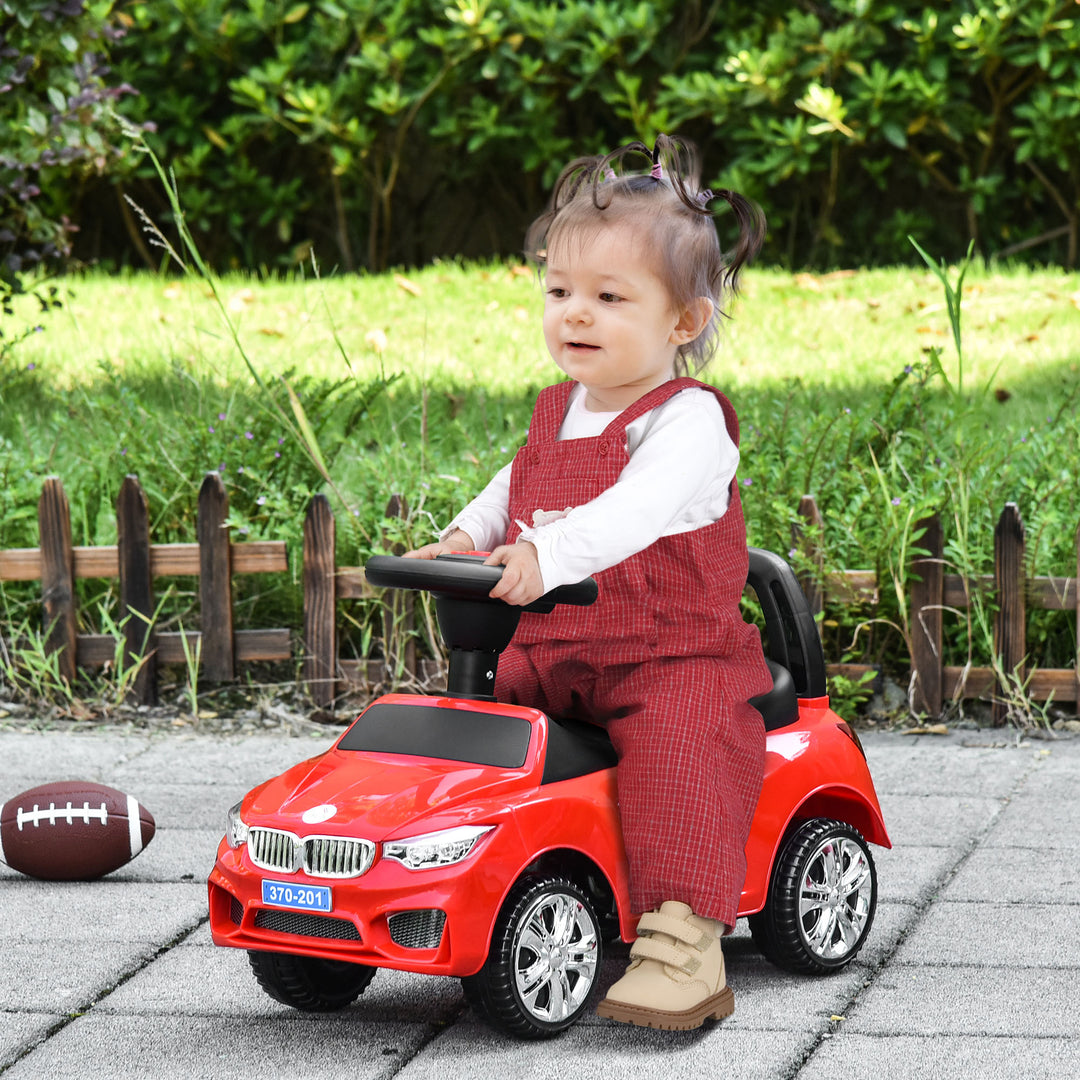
(436, 921)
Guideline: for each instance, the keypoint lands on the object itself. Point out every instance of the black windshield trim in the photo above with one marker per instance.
(475, 738)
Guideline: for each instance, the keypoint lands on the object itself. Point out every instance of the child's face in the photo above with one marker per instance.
(609, 321)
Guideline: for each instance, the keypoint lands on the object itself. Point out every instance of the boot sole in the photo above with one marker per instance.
(716, 1008)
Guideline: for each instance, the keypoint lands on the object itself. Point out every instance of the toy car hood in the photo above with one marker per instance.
(373, 796)
(372, 783)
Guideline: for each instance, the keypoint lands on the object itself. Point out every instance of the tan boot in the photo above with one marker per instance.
(676, 978)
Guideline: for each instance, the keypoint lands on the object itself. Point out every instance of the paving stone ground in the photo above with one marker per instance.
(970, 970)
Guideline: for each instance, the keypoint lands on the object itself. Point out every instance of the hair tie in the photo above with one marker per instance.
(657, 171)
(609, 173)
(704, 197)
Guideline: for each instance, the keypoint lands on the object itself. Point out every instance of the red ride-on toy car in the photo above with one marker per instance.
(454, 835)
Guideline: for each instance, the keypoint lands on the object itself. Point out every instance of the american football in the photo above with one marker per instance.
(72, 830)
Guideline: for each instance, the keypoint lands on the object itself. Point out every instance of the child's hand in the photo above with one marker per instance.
(521, 582)
(456, 541)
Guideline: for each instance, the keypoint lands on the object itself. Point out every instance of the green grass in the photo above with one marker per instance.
(475, 326)
(423, 385)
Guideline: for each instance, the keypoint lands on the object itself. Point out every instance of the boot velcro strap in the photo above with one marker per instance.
(648, 949)
(652, 922)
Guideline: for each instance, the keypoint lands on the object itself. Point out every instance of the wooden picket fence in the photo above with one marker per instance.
(215, 559)
(137, 562)
(932, 593)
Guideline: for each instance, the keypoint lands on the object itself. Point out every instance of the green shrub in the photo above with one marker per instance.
(55, 91)
(389, 131)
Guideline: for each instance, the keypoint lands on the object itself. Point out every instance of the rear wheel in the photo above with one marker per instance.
(309, 982)
(821, 901)
(545, 955)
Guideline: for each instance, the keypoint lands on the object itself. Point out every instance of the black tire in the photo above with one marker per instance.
(309, 982)
(545, 955)
(822, 899)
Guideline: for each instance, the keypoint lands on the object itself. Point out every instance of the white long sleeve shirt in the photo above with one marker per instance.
(678, 478)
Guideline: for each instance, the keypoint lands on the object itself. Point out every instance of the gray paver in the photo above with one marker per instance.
(172, 1048)
(970, 968)
(609, 1052)
(107, 910)
(1017, 875)
(937, 820)
(969, 1000)
(1032, 935)
(860, 1057)
(65, 979)
(20, 1030)
(913, 873)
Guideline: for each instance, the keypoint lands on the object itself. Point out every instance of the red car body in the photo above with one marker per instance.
(814, 769)
(548, 800)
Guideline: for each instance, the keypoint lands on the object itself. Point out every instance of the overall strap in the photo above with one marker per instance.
(664, 392)
(549, 411)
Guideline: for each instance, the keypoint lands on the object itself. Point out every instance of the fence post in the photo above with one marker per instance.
(136, 587)
(811, 583)
(58, 575)
(320, 633)
(398, 608)
(927, 590)
(1009, 622)
(215, 580)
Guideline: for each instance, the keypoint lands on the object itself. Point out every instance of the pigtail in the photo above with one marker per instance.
(751, 222)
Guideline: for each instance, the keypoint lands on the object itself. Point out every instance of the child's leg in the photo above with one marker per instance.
(539, 676)
(691, 765)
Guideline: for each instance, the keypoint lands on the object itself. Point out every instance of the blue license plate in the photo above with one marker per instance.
(296, 897)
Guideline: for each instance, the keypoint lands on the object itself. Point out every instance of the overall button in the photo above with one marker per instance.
(602, 449)
(535, 456)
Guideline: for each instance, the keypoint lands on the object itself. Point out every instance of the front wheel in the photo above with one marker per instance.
(821, 901)
(309, 982)
(545, 955)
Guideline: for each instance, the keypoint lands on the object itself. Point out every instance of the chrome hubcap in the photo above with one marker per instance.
(554, 957)
(835, 898)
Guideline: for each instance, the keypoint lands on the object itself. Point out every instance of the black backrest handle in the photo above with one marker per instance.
(791, 634)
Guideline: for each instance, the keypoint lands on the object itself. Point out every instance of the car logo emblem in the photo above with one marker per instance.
(318, 814)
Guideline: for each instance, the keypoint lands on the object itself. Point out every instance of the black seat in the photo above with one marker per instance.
(780, 706)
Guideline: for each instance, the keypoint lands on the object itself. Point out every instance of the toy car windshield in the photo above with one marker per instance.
(477, 738)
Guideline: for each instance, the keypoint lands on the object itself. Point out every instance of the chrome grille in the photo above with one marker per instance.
(289, 922)
(337, 856)
(320, 856)
(272, 849)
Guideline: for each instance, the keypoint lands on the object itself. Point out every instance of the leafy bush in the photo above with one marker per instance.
(55, 92)
(389, 131)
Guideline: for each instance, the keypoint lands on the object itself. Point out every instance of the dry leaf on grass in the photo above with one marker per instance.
(406, 285)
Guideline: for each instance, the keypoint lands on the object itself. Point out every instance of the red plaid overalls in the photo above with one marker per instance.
(663, 659)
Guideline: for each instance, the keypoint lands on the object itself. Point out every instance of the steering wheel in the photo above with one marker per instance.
(465, 577)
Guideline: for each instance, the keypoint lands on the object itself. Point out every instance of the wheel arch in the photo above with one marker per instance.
(840, 803)
(837, 802)
(587, 874)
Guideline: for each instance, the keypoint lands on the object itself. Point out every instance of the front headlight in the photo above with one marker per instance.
(436, 849)
(236, 832)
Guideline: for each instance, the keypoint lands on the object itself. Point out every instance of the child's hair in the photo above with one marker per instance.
(669, 202)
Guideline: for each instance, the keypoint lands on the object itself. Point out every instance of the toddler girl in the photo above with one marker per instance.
(628, 474)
